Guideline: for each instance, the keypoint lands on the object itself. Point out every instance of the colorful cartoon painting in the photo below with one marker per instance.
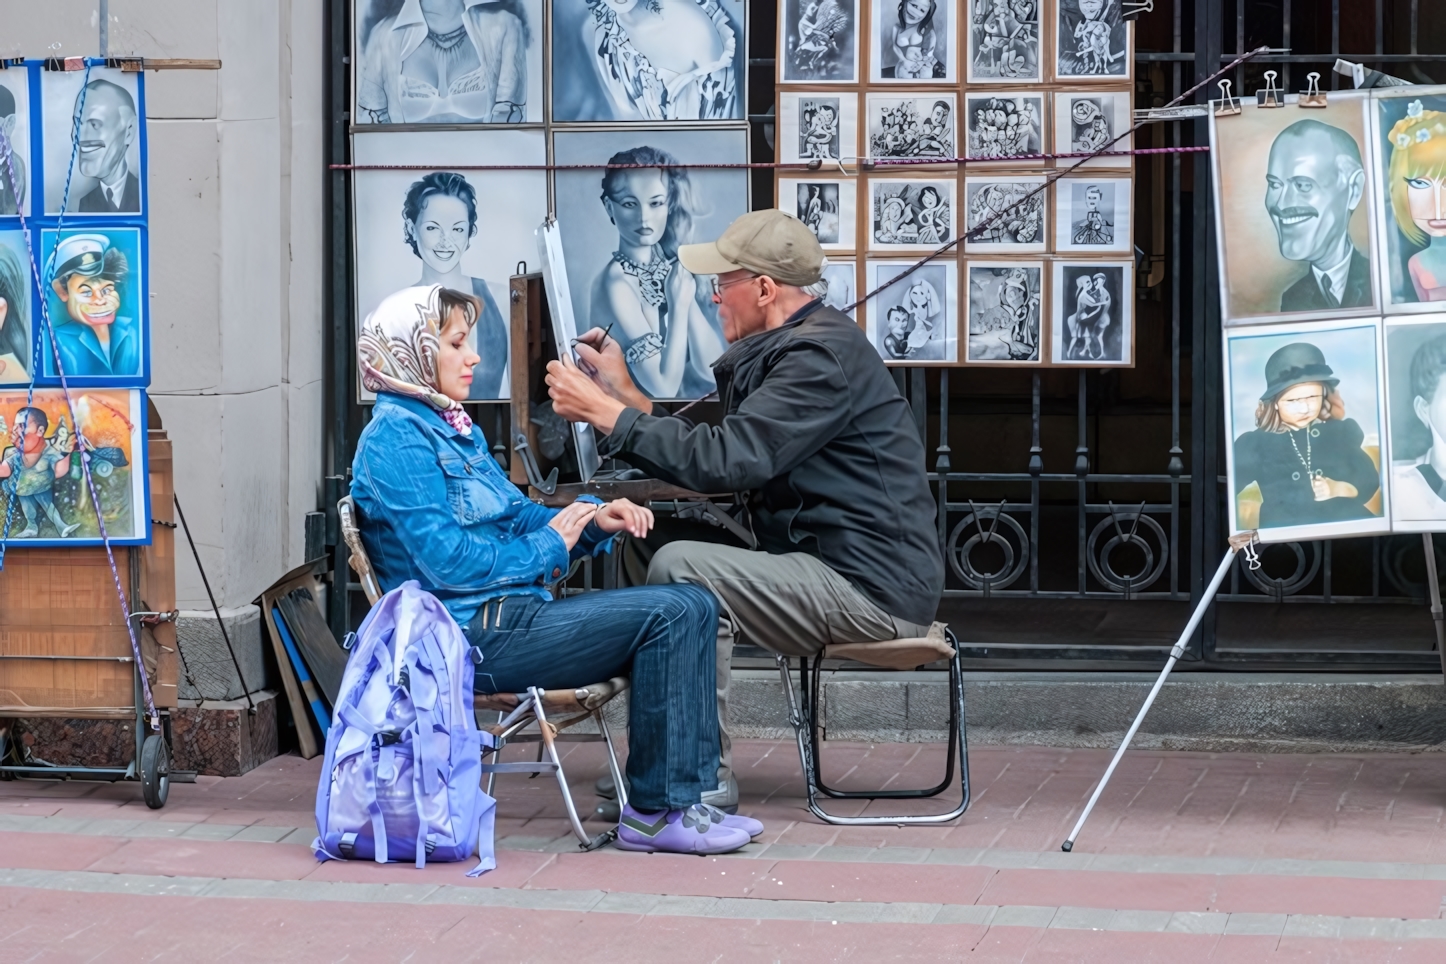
(1409, 157)
(44, 497)
(95, 305)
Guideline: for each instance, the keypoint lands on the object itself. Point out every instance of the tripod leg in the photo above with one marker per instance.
(1175, 654)
(1434, 589)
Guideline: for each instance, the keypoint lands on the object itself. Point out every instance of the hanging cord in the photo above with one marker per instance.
(80, 443)
(973, 233)
(250, 705)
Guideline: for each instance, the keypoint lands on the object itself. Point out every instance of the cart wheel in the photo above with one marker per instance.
(155, 771)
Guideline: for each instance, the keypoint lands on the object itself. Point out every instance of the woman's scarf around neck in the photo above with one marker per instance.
(400, 346)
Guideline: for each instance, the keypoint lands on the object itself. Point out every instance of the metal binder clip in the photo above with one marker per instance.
(1271, 95)
(1313, 96)
(1226, 105)
(1131, 9)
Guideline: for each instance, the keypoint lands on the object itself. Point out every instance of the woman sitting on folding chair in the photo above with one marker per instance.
(434, 506)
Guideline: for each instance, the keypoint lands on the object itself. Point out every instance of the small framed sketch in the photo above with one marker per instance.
(841, 277)
(1003, 41)
(910, 215)
(916, 320)
(15, 125)
(914, 41)
(1092, 41)
(1092, 314)
(107, 174)
(1092, 214)
(818, 41)
(1004, 128)
(1305, 423)
(1008, 214)
(1089, 122)
(828, 206)
(911, 126)
(818, 126)
(1005, 312)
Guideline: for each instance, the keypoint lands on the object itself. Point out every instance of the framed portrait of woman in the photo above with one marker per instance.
(648, 60)
(17, 303)
(914, 321)
(463, 229)
(621, 228)
(818, 41)
(1305, 416)
(914, 41)
(1408, 157)
(447, 62)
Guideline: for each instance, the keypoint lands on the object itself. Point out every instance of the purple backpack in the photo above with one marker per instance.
(403, 770)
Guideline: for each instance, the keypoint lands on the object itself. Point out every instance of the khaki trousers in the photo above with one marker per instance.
(791, 604)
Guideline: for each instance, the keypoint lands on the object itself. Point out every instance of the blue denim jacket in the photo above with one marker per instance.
(434, 506)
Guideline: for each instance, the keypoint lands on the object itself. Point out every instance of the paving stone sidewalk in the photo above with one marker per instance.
(1189, 856)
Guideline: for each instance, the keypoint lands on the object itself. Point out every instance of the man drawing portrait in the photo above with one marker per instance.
(447, 61)
(1294, 233)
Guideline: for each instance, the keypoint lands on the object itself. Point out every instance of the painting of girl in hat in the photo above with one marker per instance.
(1306, 461)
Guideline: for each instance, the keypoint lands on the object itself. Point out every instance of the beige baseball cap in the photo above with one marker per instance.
(766, 242)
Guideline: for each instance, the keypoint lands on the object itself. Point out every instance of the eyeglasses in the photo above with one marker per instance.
(1306, 402)
(718, 288)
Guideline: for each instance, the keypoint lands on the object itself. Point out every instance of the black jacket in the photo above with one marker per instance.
(816, 433)
(1332, 448)
(1306, 294)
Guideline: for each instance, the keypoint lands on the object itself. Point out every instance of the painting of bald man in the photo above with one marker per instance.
(1292, 219)
(100, 123)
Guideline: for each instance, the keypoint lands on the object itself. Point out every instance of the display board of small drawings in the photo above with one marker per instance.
(887, 96)
(1331, 227)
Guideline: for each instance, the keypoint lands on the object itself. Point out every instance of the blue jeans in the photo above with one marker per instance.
(665, 636)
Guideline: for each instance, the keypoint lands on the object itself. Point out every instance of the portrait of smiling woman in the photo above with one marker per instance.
(439, 219)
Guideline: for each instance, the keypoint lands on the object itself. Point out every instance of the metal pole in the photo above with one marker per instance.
(1434, 588)
(1175, 654)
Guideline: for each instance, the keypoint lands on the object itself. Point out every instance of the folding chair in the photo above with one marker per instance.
(517, 711)
(896, 654)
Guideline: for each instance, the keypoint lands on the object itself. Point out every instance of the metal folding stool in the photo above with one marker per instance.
(897, 654)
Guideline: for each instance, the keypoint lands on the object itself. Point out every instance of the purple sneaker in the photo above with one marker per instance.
(690, 831)
(736, 820)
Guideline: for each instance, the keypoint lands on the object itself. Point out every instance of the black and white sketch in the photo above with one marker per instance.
(1092, 40)
(448, 61)
(1005, 311)
(621, 229)
(1004, 127)
(1092, 214)
(1005, 214)
(1003, 41)
(910, 214)
(1416, 417)
(913, 41)
(14, 142)
(1089, 122)
(647, 60)
(818, 126)
(839, 285)
(911, 126)
(828, 206)
(915, 320)
(107, 118)
(819, 41)
(1092, 313)
(463, 229)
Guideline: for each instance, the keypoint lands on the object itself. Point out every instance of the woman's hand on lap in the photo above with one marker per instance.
(621, 514)
(570, 522)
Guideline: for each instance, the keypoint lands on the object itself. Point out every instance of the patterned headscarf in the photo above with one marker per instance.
(399, 347)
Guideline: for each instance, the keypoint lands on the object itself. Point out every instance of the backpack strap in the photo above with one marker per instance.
(355, 720)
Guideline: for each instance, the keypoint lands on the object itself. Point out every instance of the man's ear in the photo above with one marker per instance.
(1355, 178)
(1422, 408)
(60, 289)
(131, 131)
